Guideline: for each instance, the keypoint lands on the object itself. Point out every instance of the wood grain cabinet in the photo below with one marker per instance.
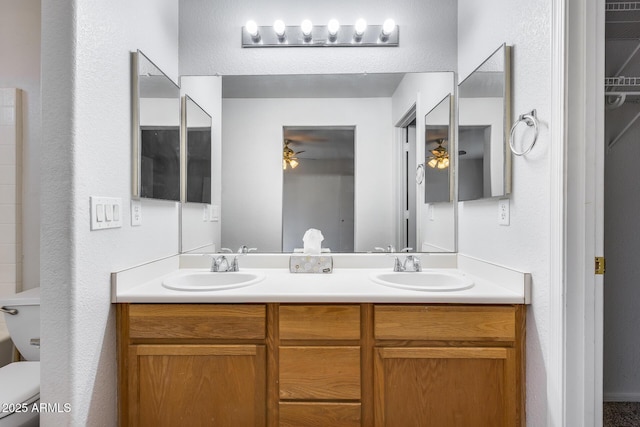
(192, 364)
(312, 365)
(449, 366)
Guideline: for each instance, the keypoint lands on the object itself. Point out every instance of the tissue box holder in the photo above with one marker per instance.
(310, 264)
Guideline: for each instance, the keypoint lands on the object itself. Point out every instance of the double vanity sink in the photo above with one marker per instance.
(360, 346)
(445, 278)
(431, 280)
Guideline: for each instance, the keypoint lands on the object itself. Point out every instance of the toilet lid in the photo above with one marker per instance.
(20, 383)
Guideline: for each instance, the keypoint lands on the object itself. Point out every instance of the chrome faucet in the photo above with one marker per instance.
(410, 264)
(245, 250)
(389, 248)
(221, 264)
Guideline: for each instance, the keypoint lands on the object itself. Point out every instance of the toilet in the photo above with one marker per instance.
(20, 381)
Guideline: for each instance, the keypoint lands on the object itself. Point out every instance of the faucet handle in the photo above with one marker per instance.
(226, 250)
(406, 249)
(397, 265)
(412, 263)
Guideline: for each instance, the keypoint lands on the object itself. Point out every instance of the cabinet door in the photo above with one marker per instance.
(452, 386)
(180, 385)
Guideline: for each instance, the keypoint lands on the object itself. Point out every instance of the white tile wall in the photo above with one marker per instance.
(10, 191)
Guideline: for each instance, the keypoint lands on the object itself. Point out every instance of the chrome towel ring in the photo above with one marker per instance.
(530, 119)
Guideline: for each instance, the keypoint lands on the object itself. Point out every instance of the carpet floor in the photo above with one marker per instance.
(621, 414)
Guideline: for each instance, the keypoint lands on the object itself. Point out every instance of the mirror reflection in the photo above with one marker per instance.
(484, 162)
(438, 145)
(318, 186)
(156, 150)
(261, 118)
(198, 150)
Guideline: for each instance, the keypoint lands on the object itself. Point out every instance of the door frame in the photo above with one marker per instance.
(574, 388)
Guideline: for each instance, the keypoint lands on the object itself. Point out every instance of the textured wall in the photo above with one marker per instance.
(210, 37)
(87, 122)
(524, 245)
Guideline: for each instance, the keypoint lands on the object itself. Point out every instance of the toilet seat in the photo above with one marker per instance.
(19, 387)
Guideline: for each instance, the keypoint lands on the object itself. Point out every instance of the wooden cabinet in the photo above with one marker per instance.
(305, 365)
(448, 366)
(319, 365)
(192, 365)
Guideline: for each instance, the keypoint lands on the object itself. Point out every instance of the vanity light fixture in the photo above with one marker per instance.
(359, 29)
(331, 35)
(279, 28)
(332, 30)
(252, 29)
(307, 28)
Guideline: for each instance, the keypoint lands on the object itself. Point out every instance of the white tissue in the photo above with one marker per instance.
(312, 241)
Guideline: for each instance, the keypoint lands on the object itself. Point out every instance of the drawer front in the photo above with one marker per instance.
(319, 322)
(212, 321)
(327, 373)
(457, 323)
(319, 414)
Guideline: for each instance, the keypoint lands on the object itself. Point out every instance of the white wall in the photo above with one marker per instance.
(20, 59)
(86, 151)
(196, 233)
(524, 245)
(252, 131)
(210, 37)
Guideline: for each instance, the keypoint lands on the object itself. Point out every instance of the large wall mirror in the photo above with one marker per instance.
(262, 116)
(156, 132)
(484, 117)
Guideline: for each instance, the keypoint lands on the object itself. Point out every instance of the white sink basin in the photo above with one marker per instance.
(209, 281)
(428, 280)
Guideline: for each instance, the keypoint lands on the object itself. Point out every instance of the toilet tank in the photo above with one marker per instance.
(25, 325)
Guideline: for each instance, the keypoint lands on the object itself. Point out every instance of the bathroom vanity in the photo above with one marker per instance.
(335, 356)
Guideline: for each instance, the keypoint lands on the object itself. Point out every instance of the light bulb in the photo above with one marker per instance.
(360, 26)
(388, 26)
(293, 164)
(279, 28)
(333, 27)
(252, 28)
(432, 163)
(306, 27)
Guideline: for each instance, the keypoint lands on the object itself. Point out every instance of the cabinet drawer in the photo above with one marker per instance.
(213, 321)
(319, 414)
(308, 373)
(458, 323)
(319, 322)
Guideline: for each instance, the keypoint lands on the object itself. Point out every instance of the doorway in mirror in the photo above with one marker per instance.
(318, 185)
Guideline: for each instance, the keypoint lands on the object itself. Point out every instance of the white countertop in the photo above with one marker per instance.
(492, 284)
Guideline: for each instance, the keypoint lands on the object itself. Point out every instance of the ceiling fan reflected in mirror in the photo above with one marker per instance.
(440, 156)
(289, 156)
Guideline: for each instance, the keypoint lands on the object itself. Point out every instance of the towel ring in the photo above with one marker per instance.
(420, 173)
(530, 119)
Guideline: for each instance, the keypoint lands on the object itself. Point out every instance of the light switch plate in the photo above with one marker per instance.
(102, 209)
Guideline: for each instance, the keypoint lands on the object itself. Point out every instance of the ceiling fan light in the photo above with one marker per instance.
(293, 164)
(432, 163)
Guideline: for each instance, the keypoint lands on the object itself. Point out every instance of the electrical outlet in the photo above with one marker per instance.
(136, 213)
(503, 211)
